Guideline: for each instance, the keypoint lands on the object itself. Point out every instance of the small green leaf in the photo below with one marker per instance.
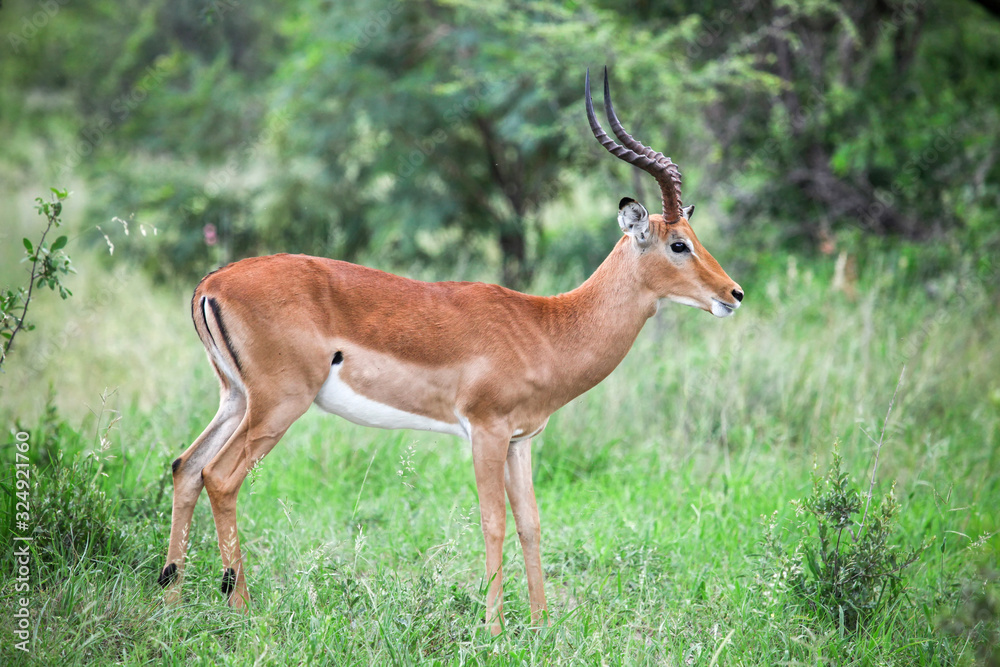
(27, 245)
(59, 243)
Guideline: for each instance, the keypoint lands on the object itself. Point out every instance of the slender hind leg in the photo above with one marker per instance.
(188, 484)
(261, 428)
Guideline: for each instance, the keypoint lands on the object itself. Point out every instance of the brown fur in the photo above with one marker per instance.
(503, 360)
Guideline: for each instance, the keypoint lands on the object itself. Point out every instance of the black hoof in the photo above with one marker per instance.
(228, 581)
(168, 575)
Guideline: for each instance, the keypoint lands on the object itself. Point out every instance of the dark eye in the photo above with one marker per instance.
(679, 246)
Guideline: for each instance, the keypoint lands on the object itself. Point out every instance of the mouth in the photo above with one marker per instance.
(723, 309)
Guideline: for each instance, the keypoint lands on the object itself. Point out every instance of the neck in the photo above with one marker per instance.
(594, 326)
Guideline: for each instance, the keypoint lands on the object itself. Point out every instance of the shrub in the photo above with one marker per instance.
(848, 570)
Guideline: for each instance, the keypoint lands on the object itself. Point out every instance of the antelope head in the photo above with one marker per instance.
(672, 261)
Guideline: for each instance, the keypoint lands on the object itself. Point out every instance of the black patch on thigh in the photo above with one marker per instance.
(175, 465)
(228, 581)
(168, 576)
(338, 358)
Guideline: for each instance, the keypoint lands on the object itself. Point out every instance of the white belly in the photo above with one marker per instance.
(338, 398)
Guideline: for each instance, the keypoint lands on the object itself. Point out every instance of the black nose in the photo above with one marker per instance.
(738, 293)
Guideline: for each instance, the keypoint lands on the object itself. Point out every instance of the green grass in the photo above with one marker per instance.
(363, 546)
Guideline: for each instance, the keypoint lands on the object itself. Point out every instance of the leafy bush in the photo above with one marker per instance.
(847, 570)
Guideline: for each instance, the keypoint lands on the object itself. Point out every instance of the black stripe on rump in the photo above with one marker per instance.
(225, 334)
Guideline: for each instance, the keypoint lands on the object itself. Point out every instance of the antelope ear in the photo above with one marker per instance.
(687, 211)
(634, 220)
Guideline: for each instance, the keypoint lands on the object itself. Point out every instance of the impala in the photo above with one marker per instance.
(482, 362)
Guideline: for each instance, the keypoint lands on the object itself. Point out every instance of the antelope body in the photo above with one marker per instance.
(478, 361)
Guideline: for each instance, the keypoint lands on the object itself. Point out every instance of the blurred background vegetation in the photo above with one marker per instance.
(844, 160)
(451, 133)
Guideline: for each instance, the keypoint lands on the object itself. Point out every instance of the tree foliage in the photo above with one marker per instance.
(883, 119)
(421, 130)
(454, 114)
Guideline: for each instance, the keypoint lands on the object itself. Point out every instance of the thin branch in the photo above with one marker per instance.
(878, 449)
(31, 287)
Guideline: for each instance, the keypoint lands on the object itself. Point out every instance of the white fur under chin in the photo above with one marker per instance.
(720, 309)
(684, 301)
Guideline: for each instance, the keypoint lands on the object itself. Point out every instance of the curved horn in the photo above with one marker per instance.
(666, 173)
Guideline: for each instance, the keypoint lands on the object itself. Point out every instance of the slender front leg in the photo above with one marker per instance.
(521, 492)
(488, 455)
